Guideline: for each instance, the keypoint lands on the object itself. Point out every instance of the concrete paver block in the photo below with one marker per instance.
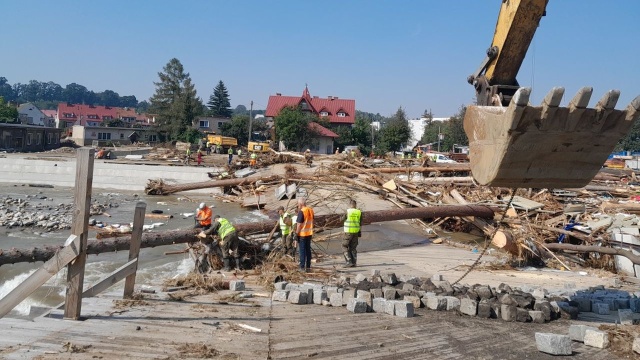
(601, 308)
(357, 306)
(347, 295)
(404, 309)
(389, 294)
(390, 307)
(367, 297)
(280, 285)
(553, 344)
(335, 299)
(596, 338)
(468, 307)
(297, 297)
(438, 303)
(377, 293)
(236, 285)
(379, 305)
(319, 296)
(576, 332)
(291, 286)
(626, 316)
(280, 295)
(508, 312)
(453, 303)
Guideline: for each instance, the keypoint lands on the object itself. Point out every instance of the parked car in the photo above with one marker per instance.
(440, 158)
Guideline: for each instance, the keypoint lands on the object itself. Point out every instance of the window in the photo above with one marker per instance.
(153, 137)
(324, 113)
(38, 138)
(92, 116)
(342, 114)
(49, 138)
(107, 117)
(29, 139)
(204, 123)
(104, 136)
(55, 138)
(220, 123)
(304, 105)
(68, 115)
(121, 136)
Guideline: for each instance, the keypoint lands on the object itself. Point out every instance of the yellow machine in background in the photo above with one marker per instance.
(515, 144)
(225, 141)
(258, 143)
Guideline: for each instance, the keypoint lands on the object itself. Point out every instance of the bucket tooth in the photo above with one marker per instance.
(633, 110)
(577, 107)
(605, 109)
(550, 108)
(517, 106)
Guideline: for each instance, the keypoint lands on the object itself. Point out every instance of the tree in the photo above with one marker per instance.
(143, 106)
(8, 113)
(176, 103)
(292, 128)
(361, 134)
(454, 131)
(6, 91)
(238, 128)
(219, 102)
(240, 110)
(396, 133)
(75, 94)
(631, 142)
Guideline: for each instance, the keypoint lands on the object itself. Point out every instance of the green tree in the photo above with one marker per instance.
(238, 128)
(292, 128)
(6, 90)
(8, 113)
(176, 103)
(431, 130)
(219, 102)
(396, 133)
(631, 142)
(454, 131)
(361, 134)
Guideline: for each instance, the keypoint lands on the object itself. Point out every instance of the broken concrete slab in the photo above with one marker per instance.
(553, 344)
(236, 285)
(244, 172)
(280, 192)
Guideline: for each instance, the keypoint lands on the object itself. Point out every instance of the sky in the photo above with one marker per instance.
(385, 54)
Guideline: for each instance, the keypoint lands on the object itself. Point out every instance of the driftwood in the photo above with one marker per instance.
(184, 236)
(439, 168)
(597, 249)
(159, 187)
(629, 207)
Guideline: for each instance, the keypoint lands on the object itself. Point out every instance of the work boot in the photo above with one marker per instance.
(354, 258)
(225, 261)
(347, 258)
(237, 263)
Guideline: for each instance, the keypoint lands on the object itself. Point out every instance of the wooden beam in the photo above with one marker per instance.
(134, 250)
(40, 276)
(80, 226)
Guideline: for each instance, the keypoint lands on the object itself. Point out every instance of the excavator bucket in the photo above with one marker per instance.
(545, 146)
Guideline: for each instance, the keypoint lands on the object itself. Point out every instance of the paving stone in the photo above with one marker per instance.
(236, 285)
(379, 305)
(469, 307)
(390, 307)
(536, 316)
(335, 299)
(309, 293)
(545, 307)
(576, 332)
(280, 285)
(636, 345)
(377, 293)
(280, 295)
(319, 296)
(496, 310)
(634, 305)
(357, 306)
(347, 295)
(553, 344)
(390, 278)
(332, 290)
(415, 300)
(522, 315)
(601, 308)
(567, 311)
(375, 272)
(596, 338)
(314, 286)
(437, 277)
(611, 301)
(404, 309)
(291, 286)
(453, 303)
(359, 278)
(508, 312)
(626, 316)
(407, 286)
(504, 288)
(584, 304)
(438, 303)
(484, 292)
(389, 294)
(445, 286)
(367, 297)
(297, 297)
(484, 309)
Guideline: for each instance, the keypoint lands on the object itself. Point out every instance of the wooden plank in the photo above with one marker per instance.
(40, 276)
(134, 250)
(82, 204)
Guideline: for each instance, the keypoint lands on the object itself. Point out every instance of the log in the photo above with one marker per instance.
(189, 235)
(159, 187)
(630, 207)
(505, 241)
(597, 249)
(439, 168)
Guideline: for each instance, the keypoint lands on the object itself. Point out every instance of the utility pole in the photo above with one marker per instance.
(250, 121)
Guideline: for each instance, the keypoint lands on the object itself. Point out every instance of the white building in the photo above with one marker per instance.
(29, 114)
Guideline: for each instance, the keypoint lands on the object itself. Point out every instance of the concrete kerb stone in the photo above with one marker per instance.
(553, 344)
(357, 306)
(280, 295)
(576, 332)
(297, 297)
(404, 309)
(336, 299)
(319, 295)
(367, 297)
(390, 307)
(280, 285)
(236, 285)
(347, 295)
(596, 338)
(379, 305)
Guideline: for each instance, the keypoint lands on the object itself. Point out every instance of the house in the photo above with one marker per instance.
(29, 114)
(27, 138)
(209, 124)
(102, 135)
(69, 115)
(339, 112)
(324, 139)
(50, 116)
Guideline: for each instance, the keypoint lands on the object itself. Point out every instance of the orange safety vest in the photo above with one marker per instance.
(307, 226)
(206, 214)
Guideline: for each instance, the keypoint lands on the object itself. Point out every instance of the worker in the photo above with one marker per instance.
(353, 153)
(203, 217)
(188, 156)
(230, 152)
(227, 240)
(199, 157)
(352, 222)
(208, 148)
(308, 157)
(254, 159)
(403, 154)
(285, 229)
(103, 154)
(239, 152)
(337, 151)
(218, 149)
(304, 233)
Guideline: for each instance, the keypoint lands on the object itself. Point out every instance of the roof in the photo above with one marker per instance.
(321, 130)
(94, 113)
(50, 113)
(332, 105)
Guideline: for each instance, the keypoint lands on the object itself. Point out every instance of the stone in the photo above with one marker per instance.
(601, 308)
(319, 296)
(297, 297)
(484, 292)
(390, 307)
(375, 272)
(236, 285)
(377, 293)
(335, 299)
(438, 303)
(344, 280)
(404, 309)
(389, 294)
(407, 286)
(634, 305)
(504, 288)
(366, 297)
(390, 278)
(508, 312)
(553, 344)
(357, 306)
(536, 316)
(496, 310)
(636, 345)
(468, 307)
(567, 311)
(626, 316)
(280, 295)
(453, 303)
(445, 286)
(331, 290)
(622, 304)
(596, 338)
(379, 305)
(437, 277)
(360, 278)
(507, 299)
(291, 286)
(545, 307)
(347, 295)
(484, 309)
(415, 300)
(309, 293)
(522, 315)
(540, 293)
(280, 285)
(576, 332)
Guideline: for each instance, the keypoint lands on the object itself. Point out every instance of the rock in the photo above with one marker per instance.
(347, 295)
(360, 278)
(545, 308)
(366, 297)
(336, 299)
(508, 312)
(390, 278)
(415, 300)
(540, 293)
(536, 316)
(522, 315)
(634, 305)
(236, 285)
(483, 291)
(297, 297)
(375, 272)
(404, 309)
(438, 303)
(407, 286)
(280, 285)
(584, 304)
(553, 344)
(504, 288)
(390, 307)
(453, 303)
(379, 305)
(576, 332)
(484, 309)
(319, 296)
(468, 307)
(596, 338)
(626, 316)
(280, 295)
(357, 306)
(636, 345)
(377, 293)
(389, 293)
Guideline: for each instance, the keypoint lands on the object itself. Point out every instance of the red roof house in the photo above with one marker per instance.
(338, 111)
(93, 115)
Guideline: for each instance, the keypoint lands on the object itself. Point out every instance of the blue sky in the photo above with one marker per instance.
(384, 54)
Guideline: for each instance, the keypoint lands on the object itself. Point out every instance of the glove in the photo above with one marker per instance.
(202, 235)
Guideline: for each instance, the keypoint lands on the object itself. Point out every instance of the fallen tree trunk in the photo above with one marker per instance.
(439, 168)
(159, 187)
(597, 249)
(183, 236)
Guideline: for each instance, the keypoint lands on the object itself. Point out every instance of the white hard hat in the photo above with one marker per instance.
(201, 206)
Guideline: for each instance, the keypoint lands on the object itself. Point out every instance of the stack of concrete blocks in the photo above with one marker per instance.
(604, 301)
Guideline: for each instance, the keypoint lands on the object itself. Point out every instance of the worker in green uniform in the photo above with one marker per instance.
(352, 222)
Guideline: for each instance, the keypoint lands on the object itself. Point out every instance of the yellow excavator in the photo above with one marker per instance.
(515, 144)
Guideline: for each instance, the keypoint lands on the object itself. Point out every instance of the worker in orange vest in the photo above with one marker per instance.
(203, 217)
(304, 233)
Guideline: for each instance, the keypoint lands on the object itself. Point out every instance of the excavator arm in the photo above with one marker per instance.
(515, 144)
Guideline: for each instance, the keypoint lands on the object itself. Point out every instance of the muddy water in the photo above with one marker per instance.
(154, 264)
